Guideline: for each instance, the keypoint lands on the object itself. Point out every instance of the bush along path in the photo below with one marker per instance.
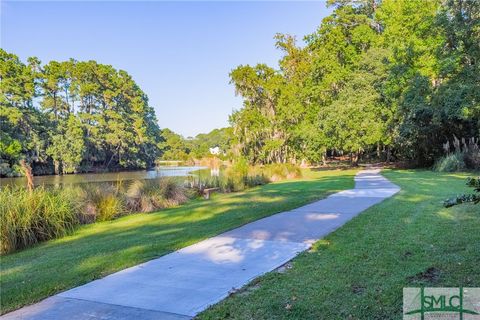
(182, 284)
(466, 198)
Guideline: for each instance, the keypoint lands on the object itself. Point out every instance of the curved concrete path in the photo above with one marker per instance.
(182, 284)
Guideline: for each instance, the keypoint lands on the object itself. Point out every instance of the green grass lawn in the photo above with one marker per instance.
(359, 271)
(103, 248)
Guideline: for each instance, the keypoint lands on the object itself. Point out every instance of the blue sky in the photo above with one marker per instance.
(180, 53)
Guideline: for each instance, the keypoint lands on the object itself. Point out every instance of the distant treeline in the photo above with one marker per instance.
(72, 116)
(391, 79)
(176, 147)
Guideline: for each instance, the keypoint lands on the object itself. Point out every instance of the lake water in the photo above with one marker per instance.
(70, 179)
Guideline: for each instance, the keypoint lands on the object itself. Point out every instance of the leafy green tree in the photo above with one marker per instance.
(259, 133)
(458, 92)
(174, 147)
(298, 107)
(201, 144)
(54, 77)
(75, 115)
(23, 127)
(67, 147)
(391, 77)
(359, 117)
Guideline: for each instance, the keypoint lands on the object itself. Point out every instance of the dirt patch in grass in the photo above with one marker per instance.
(357, 289)
(431, 275)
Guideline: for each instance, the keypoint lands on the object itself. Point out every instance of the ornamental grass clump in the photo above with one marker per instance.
(150, 195)
(450, 163)
(281, 171)
(29, 217)
(99, 202)
(465, 156)
(241, 176)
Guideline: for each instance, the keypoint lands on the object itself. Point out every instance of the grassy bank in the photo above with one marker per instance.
(358, 271)
(96, 250)
(32, 216)
(29, 217)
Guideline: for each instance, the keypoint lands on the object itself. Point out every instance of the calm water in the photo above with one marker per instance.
(104, 177)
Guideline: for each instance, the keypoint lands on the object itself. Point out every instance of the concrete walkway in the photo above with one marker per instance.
(182, 284)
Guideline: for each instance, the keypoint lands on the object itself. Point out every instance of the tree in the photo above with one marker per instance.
(391, 77)
(75, 115)
(200, 145)
(23, 131)
(256, 127)
(359, 117)
(54, 80)
(384, 78)
(67, 146)
(174, 147)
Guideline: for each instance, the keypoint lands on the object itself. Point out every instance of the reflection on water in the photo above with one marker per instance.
(104, 177)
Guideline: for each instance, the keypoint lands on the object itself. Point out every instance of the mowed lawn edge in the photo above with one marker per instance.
(96, 250)
(359, 271)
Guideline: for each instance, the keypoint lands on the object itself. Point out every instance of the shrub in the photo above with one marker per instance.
(239, 168)
(109, 206)
(230, 184)
(233, 178)
(282, 171)
(450, 163)
(46, 213)
(240, 176)
(466, 198)
(149, 195)
(100, 202)
(7, 171)
(472, 159)
(256, 180)
(172, 191)
(465, 155)
(31, 217)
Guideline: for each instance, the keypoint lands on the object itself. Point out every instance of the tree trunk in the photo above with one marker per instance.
(56, 165)
(354, 158)
(303, 164)
(27, 169)
(109, 161)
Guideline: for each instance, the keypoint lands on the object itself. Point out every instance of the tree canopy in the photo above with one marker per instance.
(176, 147)
(391, 77)
(73, 116)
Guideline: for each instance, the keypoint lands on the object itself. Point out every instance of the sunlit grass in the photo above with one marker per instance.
(359, 271)
(96, 250)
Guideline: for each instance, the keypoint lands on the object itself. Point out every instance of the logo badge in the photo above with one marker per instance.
(441, 303)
